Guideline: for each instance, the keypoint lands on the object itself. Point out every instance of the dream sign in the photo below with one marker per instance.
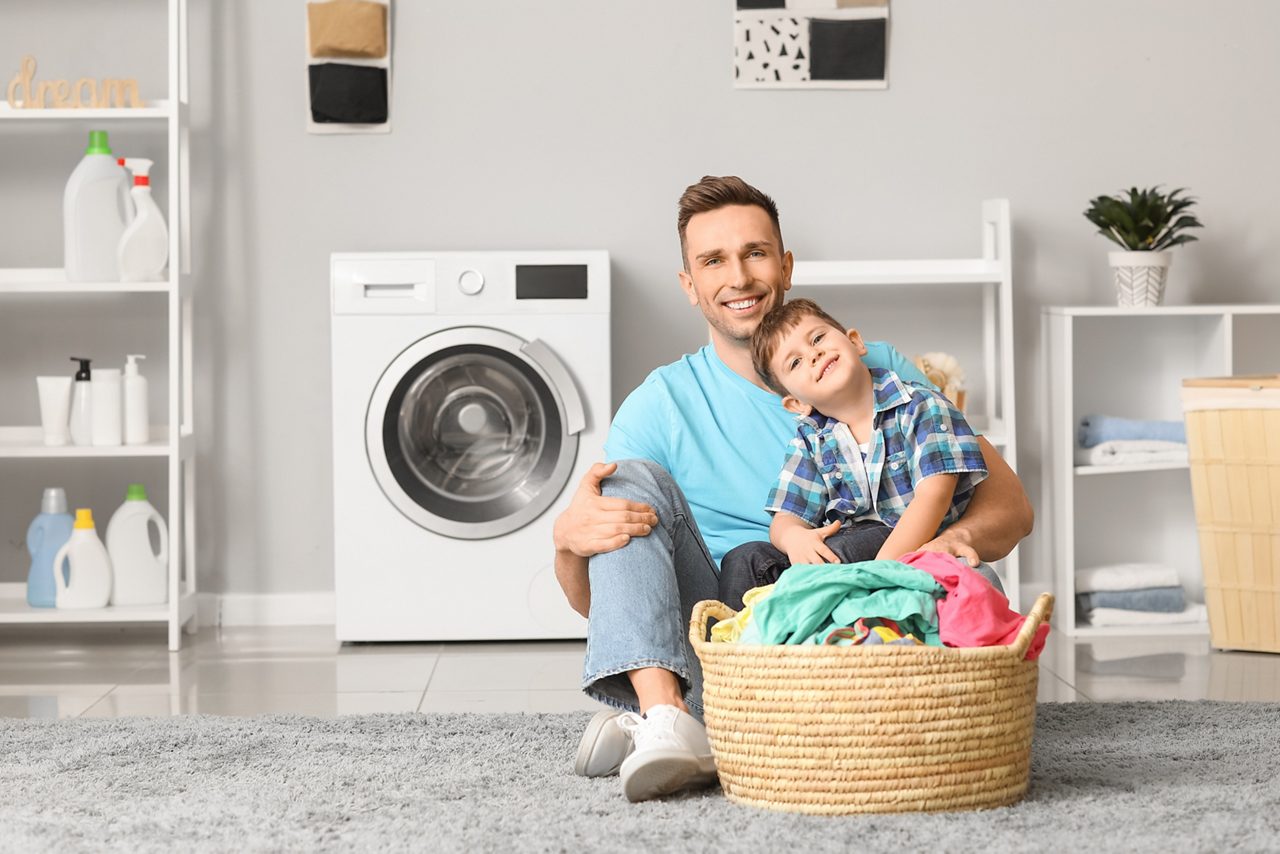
(86, 93)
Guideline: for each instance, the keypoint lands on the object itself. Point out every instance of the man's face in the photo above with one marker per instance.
(737, 269)
(819, 365)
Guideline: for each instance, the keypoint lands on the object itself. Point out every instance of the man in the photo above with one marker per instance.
(692, 453)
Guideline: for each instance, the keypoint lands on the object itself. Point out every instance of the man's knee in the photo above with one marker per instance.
(639, 480)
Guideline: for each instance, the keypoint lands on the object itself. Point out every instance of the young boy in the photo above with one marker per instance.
(876, 468)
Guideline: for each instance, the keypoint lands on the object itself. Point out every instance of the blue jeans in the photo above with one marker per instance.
(643, 594)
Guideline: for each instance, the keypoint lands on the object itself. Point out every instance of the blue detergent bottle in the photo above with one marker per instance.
(48, 532)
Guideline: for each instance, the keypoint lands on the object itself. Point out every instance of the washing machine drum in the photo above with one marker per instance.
(472, 432)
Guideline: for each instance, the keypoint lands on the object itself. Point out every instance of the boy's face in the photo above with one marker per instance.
(737, 270)
(819, 365)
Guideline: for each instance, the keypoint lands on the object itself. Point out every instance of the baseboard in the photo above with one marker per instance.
(266, 609)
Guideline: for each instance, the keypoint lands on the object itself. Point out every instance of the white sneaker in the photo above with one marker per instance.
(603, 747)
(671, 754)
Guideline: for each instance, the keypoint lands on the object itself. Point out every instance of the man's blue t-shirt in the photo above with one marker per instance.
(721, 437)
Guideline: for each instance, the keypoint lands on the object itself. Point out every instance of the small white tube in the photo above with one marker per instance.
(55, 409)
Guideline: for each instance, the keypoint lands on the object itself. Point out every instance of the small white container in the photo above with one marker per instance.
(108, 424)
(90, 576)
(82, 404)
(137, 430)
(55, 409)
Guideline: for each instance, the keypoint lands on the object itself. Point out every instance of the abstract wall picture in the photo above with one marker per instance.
(811, 44)
(349, 66)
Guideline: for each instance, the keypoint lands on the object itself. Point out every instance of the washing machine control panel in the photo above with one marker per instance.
(471, 282)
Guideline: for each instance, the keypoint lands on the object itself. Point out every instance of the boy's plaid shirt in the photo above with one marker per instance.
(916, 433)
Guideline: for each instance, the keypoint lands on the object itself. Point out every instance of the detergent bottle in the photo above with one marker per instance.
(144, 245)
(139, 574)
(89, 582)
(94, 214)
(45, 536)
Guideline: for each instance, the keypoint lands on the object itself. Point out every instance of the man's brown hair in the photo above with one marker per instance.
(712, 193)
(775, 324)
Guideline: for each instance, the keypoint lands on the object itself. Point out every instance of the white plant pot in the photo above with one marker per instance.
(1140, 276)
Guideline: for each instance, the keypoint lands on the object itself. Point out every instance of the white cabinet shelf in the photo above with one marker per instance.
(988, 281)
(14, 609)
(172, 116)
(1130, 362)
(41, 280)
(151, 110)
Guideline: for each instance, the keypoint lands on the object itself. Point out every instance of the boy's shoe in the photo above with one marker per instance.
(603, 747)
(671, 754)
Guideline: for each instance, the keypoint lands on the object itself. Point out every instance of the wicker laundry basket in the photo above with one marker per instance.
(1233, 441)
(835, 730)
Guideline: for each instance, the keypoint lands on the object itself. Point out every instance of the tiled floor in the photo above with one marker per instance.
(51, 672)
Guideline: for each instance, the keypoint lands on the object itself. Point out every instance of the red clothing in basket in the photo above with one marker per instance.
(974, 613)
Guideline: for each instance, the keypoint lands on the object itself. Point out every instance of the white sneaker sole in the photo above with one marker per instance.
(590, 739)
(655, 773)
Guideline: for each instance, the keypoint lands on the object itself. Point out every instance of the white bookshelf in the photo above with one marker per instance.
(1130, 362)
(986, 281)
(174, 440)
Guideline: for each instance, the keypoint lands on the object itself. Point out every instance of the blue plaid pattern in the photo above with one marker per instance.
(917, 433)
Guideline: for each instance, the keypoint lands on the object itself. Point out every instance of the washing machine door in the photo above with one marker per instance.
(472, 432)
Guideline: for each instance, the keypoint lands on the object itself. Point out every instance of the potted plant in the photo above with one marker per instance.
(1147, 224)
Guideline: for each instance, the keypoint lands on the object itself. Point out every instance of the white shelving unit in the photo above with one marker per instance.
(988, 278)
(173, 440)
(1130, 362)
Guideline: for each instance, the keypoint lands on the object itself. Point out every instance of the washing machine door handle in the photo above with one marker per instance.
(561, 383)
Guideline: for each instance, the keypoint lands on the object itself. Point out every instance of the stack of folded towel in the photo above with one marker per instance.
(1134, 594)
(1109, 441)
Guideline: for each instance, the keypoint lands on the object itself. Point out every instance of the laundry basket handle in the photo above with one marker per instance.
(1040, 612)
(704, 611)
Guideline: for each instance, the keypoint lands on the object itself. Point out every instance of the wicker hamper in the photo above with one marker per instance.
(835, 730)
(1233, 440)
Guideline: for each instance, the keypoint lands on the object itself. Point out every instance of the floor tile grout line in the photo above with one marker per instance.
(86, 709)
(423, 698)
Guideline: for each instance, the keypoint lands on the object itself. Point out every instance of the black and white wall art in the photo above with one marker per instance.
(811, 44)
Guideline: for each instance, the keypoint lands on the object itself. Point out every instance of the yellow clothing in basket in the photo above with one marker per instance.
(728, 631)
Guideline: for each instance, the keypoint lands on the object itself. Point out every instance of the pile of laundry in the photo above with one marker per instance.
(925, 598)
(1135, 594)
(1105, 440)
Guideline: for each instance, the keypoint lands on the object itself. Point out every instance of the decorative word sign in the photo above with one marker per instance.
(86, 93)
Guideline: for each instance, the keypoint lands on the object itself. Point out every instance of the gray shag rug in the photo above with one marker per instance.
(1164, 776)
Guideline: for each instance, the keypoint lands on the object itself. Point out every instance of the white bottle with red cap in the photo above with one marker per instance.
(144, 247)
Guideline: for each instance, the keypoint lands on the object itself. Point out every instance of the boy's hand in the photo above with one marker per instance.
(807, 545)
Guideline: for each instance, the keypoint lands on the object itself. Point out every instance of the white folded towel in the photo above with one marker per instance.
(1128, 452)
(1195, 612)
(1126, 576)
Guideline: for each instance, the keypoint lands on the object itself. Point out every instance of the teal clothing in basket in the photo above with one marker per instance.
(810, 601)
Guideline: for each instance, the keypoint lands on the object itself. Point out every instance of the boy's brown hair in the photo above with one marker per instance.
(713, 193)
(775, 324)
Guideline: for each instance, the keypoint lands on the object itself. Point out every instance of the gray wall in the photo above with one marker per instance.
(576, 123)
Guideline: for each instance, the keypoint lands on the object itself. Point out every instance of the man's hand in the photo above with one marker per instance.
(954, 541)
(593, 524)
(808, 545)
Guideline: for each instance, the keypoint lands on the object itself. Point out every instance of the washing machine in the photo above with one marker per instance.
(470, 394)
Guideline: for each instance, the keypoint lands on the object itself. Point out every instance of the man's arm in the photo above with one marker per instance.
(997, 518)
(590, 525)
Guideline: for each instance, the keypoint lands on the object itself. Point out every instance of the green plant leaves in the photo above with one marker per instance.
(1144, 220)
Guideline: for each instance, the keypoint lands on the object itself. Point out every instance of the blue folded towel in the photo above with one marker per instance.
(1165, 600)
(1096, 429)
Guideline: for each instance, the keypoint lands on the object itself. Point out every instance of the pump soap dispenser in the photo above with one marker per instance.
(82, 404)
(144, 247)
